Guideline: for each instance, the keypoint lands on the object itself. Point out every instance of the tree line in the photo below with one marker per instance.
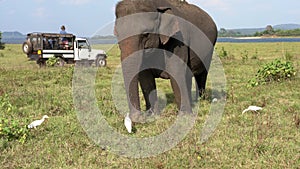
(269, 31)
(278, 32)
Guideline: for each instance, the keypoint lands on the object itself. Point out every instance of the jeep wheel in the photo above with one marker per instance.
(27, 47)
(101, 62)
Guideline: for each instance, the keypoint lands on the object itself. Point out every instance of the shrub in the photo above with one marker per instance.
(10, 129)
(255, 55)
(5, 106)
(223, 53)
(52, 61)
(245, 55)
(277, 70)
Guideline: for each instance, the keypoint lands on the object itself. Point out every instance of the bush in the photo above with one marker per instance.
(52, 61)
(245, 55)
(10, 129)
(255, 55)
(5, 106)
(1, 44)
(277, 70)
(223, 53)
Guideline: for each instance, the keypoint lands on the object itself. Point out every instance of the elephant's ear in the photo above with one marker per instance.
(168, 24)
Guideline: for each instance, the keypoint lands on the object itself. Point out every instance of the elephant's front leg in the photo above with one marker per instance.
(181, 85)
(130, 74)
(148, 86)
(201, 82)
(131, 85)
(181, 77)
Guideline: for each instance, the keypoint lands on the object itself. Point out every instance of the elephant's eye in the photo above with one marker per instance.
(146, 35)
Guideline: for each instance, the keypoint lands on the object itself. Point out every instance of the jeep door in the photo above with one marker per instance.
(83, 49)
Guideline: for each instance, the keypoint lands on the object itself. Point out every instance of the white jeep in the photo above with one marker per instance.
(66, 47)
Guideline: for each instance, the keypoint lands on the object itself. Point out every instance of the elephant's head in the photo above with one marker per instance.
(143, 25)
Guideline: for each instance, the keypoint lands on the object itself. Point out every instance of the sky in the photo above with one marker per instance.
(86, 17)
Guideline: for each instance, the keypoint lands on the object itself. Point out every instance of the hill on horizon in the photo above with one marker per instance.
(14, 37)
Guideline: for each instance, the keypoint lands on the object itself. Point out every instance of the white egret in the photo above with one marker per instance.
(128, 123)
(214, 100)
(36, 123)
(252, 108)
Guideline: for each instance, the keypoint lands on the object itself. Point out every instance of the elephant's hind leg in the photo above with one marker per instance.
(147, 82)
(201, 82)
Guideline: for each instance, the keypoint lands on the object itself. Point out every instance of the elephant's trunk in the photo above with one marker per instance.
(128, 46)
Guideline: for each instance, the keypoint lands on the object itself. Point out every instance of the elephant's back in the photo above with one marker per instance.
(200, 19)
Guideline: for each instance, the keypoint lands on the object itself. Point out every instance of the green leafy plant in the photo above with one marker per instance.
(5, 106)
(52, 61)
(10, 129)
(255, 55)
(245, 55)
(223, 53)
(277, 70)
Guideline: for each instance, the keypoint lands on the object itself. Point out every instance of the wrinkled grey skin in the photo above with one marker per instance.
(154, 49)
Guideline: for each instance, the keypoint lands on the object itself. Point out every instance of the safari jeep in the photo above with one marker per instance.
(66, 47)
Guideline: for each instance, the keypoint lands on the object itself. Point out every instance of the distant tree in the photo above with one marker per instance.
(258, 34)
(293, 32)
(279, 32)
(269, 30)
(223, 31)
(1, 44)
(228, 33)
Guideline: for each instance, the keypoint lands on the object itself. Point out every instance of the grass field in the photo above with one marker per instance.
(269, 139)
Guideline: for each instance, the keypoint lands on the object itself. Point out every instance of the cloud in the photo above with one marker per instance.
(75, 2)
(40, 12)
(11, 12)
(215, 4)
(39, 1)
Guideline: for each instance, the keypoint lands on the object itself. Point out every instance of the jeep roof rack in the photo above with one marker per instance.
(51, 34)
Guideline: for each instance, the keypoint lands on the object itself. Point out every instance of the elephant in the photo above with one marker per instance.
(168, 39)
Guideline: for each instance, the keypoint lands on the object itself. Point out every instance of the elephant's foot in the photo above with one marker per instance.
(137, 117)
(164, 75)
(152, 112)
(184, 113)
(148, 116)
(151, 115)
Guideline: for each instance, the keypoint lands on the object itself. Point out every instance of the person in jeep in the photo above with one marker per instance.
(63, 30)
(65, 43)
